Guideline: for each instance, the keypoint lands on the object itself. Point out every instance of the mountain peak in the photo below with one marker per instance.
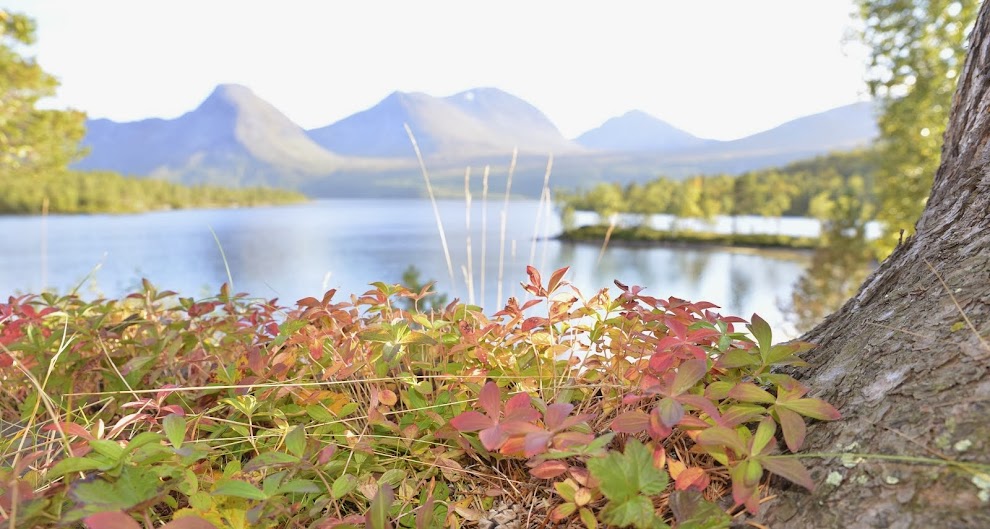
(637, 131)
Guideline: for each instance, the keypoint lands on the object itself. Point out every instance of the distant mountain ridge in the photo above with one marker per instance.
(478, 121)
(232, 131)
(236, 138)
(637, 131)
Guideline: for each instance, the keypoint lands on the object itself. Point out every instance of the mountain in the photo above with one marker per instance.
(637, 131)
(234, 137)
(475, 122)
(840, 128)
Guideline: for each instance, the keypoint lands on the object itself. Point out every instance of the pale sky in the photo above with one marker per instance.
(718, 69)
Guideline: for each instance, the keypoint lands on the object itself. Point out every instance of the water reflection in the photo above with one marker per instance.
(836, 271)
(288, 252)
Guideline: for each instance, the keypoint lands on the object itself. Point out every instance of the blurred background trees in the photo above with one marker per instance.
(917, 49)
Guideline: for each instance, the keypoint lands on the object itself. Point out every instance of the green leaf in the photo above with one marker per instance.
(74, 464)
(393, 477)
(271, 459)
(287, 329)
(108, 449)
(238, 489)
(319, 413)
(588, 518)
(134, 486)
(814, 408)
(636, 511)
(347, 409)
(295, 441)
(624, 476)
(688, 374)
(175, 429)
(721, 436)
(300, 486)
(764, 433)
(737, 358)
(143, 439)
(565, 489)
(343, 485)
(380, 504)
(784, 354)
(749, 392)
(693, 511)
(761, 331)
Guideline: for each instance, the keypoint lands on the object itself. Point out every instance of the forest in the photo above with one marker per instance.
(68, 191)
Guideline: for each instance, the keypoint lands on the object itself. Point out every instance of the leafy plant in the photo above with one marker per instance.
(231, 412)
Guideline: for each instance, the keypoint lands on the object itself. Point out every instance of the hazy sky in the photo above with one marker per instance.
(718, 69)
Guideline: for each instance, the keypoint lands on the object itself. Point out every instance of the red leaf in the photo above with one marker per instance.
(793, 427)
(692, 478)
(531, 323)
(555, 279)
(670, 412)
(520, 408)
(536, 443)
(555, 415)
(111, 520)
(631, 422)
(549, 469)
(471, 421)
(493, 438)
(789, 468)
(565, 440)
(657, 429)
(490, 400)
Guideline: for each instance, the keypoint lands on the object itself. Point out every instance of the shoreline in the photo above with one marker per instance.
(640, 237)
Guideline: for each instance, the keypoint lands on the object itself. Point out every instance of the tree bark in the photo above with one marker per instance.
(906, 360)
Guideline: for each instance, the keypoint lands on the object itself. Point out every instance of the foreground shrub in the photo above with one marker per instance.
(231, 412)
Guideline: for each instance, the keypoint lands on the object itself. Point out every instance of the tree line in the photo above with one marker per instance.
(837, 187)
(68, 191)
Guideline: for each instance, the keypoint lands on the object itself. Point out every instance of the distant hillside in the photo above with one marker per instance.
(233, 138)
(841, 128)
(637, 131)
(480, 121)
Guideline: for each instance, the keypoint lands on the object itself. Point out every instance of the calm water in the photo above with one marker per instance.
(296, 251)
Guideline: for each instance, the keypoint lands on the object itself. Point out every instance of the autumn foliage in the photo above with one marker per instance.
(620, 410)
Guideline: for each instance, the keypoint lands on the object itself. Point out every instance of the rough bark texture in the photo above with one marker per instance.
(899, 360)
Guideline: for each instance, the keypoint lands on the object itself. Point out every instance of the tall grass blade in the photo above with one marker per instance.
(608, 235)
(504, 217)
(484, 229)
(539, 211)
(226, 266)
(44, 243)
(433, 201)
(469, 271)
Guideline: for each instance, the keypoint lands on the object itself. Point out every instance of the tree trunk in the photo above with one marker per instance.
(906, 360)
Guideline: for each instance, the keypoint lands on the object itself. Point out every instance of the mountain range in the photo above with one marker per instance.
(236, 138)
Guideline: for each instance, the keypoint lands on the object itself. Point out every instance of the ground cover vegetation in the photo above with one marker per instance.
(616, 409)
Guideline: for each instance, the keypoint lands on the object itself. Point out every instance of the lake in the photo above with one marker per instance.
(296, 251)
